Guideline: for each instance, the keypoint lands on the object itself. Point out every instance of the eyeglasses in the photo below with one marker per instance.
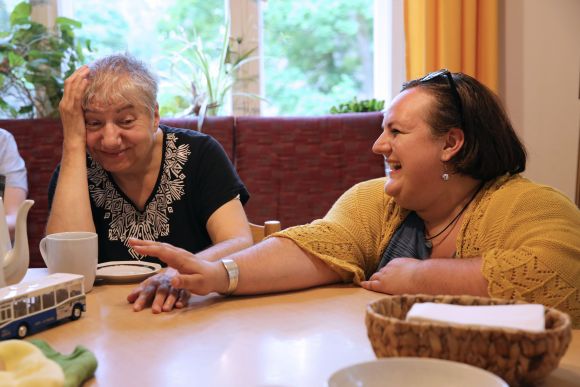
(446, 74)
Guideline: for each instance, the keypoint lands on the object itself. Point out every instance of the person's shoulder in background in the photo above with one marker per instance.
(11, 163)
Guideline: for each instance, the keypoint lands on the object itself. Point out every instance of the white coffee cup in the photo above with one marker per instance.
(72, 252)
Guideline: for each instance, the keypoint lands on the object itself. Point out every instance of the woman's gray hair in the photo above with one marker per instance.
(121, 78)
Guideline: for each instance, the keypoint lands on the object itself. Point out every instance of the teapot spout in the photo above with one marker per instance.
(16, 260)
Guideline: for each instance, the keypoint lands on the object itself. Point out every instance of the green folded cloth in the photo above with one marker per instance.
(79, 366)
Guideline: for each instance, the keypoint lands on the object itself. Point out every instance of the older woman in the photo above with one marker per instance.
(453, 217)
(145, 180)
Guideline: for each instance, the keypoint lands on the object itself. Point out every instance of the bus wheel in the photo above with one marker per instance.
(76, 313)
(22, 331)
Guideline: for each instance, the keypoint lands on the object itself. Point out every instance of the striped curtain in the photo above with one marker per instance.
(460, 35)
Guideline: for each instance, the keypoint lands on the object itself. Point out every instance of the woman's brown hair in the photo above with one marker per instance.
(491, 147)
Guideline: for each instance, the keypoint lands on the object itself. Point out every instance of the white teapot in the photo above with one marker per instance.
(14, 260)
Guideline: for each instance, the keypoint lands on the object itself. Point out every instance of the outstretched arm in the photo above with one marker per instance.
(71, 209)
(229, 231)
(274, 265)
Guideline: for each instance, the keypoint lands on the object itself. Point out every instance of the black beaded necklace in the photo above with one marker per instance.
(428, 242)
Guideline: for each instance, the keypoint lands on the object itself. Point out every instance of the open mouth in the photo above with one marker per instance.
(393, 166)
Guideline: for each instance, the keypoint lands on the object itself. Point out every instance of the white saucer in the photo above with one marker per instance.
(126, 271)
(416, 372)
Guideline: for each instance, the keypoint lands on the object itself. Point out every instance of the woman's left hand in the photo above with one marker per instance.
(158, 292)
(399, 276)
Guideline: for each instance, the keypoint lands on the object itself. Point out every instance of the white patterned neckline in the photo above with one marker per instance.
(125, 220)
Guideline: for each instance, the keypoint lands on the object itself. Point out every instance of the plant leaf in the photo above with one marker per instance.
(65, 21)
(20, 14)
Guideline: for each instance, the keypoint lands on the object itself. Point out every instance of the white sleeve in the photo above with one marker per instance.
(11, 164)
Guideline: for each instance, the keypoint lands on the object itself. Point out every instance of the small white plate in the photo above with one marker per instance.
(126, 271)
(414, 371)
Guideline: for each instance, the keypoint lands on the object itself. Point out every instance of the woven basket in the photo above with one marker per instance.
(517, 356)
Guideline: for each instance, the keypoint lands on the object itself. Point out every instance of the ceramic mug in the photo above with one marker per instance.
(71, 252)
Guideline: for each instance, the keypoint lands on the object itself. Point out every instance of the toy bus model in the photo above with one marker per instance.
(29, 307)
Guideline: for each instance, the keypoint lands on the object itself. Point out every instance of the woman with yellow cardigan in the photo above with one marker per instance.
(454, 216)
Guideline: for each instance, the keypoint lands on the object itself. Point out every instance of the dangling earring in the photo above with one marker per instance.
(445, 175)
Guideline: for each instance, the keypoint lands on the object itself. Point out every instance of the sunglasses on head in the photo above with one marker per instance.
(446, 74)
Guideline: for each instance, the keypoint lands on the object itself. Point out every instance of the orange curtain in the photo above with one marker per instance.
(460, 35)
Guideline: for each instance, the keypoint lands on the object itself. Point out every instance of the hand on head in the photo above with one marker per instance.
(70, 106)
(190, 274)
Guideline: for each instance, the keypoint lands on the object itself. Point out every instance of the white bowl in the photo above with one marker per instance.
(414, 371)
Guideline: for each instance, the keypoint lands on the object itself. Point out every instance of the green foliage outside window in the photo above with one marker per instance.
(151, 33)
(315, 52)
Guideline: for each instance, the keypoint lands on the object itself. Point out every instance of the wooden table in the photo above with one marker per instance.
(291, 339)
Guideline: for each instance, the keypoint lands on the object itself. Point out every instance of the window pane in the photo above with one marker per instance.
(34, 304)
(6, 8)
(61, 295)
(48, 299)
(317, 54)
(153, 31)
(4, 14)
(20, 308)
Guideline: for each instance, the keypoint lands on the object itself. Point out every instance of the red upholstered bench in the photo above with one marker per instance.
(294, 167)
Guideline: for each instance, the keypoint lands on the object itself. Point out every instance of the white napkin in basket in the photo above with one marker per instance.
(528, 317)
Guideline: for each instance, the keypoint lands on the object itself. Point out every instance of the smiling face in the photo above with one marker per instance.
(121, 137)
(413, 153)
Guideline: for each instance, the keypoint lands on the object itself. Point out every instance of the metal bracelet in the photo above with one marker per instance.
(233, 273)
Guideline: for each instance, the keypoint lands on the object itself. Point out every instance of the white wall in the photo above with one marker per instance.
(541, 85)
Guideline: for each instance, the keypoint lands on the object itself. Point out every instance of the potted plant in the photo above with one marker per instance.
(356, 106)
(34, 63)
(206, 77)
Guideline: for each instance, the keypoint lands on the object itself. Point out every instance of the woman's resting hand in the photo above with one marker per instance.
(431, 276)
(397, 277)
(158, 292)
(194, 275)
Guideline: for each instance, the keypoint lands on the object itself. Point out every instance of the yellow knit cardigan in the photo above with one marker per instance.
(527, 234)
